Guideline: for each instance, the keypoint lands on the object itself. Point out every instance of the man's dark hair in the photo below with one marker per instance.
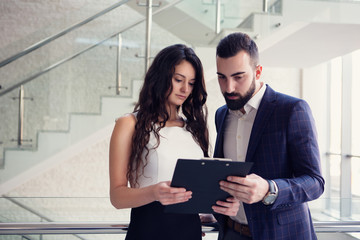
(232, 44)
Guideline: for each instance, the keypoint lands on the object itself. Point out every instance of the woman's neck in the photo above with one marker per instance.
(174, 118)
(175, 123)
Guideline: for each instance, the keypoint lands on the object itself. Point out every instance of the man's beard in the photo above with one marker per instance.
(242, 100)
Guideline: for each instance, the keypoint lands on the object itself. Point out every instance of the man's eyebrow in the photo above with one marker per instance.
(237, 73)
(234, 74)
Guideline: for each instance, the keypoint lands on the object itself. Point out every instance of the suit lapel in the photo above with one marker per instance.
(265, 110)
(219, 148)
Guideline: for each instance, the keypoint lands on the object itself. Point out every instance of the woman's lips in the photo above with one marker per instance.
(181, 97)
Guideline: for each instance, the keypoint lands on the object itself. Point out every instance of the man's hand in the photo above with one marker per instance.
(249, 189)
(229, 208)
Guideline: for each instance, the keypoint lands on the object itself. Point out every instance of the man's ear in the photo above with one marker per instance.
(258, 72)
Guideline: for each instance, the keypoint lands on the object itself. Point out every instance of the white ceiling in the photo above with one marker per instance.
(313, 44)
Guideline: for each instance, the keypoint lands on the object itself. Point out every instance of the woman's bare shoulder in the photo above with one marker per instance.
(125, 123)
(127, 118)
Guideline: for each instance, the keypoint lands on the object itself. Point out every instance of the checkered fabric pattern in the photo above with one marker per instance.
(283, 146)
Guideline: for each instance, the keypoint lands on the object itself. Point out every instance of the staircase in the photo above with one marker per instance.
(55, 146)
(74, 104)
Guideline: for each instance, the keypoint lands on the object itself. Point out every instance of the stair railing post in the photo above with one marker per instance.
(218, 16)
(21, 116)
(118, 83)
(148, 34)
(118, 72)
(265, 6)
(20, 134)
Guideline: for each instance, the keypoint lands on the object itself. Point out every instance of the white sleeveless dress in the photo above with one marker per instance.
(175, 142)
(150, 221)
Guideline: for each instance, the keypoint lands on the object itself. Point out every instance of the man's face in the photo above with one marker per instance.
(237, 79)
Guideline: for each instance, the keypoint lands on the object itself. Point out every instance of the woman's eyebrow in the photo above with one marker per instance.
(184, 76)
(179, 75)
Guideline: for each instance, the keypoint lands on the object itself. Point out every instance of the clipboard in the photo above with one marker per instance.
(202, 177)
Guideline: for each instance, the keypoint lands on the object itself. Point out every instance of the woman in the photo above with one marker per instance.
(145, 145)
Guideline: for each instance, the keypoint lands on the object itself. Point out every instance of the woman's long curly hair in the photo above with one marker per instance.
(151, 108)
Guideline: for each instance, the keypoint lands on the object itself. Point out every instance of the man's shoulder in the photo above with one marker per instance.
(287, 104)
(221, 110)
(284, 99)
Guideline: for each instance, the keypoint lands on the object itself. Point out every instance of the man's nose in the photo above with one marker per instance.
(229, 86)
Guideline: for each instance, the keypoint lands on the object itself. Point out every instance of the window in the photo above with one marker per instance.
(343, 147)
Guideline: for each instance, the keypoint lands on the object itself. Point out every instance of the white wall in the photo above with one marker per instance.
(215, 98)
(314, 92)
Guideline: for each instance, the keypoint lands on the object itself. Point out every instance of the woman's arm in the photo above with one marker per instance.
(121, 195)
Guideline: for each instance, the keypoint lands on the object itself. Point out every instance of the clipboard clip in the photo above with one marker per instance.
(216, 159)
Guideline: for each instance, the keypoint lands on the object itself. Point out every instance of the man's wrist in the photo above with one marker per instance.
(272, 194)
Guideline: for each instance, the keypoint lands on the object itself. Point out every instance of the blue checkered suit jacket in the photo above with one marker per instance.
(283, 146)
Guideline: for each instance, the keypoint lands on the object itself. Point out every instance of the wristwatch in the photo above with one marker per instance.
(271, 196)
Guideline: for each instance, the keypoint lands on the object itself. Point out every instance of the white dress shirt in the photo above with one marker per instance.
(238, 126)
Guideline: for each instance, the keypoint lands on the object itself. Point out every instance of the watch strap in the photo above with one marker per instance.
(272, 194)
(272, 188)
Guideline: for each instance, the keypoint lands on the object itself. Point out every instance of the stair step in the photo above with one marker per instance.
(53, 147)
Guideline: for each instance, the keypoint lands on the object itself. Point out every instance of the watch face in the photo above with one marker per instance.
(272, 194)
(270, 199)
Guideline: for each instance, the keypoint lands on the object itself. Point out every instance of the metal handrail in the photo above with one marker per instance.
(339, 154)
(82, 51)
(57, 35)
(337, 226)
(121, 228)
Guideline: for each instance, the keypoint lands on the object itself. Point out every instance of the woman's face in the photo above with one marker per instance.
(183, 81)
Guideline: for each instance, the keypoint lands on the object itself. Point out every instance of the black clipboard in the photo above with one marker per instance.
(202, 177)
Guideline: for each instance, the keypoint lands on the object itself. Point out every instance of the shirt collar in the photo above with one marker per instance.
(253, 103)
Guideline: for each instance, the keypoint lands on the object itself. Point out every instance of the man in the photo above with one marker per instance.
(277, 133)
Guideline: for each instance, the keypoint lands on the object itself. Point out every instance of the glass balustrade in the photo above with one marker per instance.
(28, 23)
(60, 77)
(77, 216)
(71, 75)
(232, 12)
(61, 209)
(67, 46)
(74, 87)
(16, 209)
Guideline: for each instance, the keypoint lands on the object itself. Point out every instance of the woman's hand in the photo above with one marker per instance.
(207, 218)
(229, 208)
(167, 195)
